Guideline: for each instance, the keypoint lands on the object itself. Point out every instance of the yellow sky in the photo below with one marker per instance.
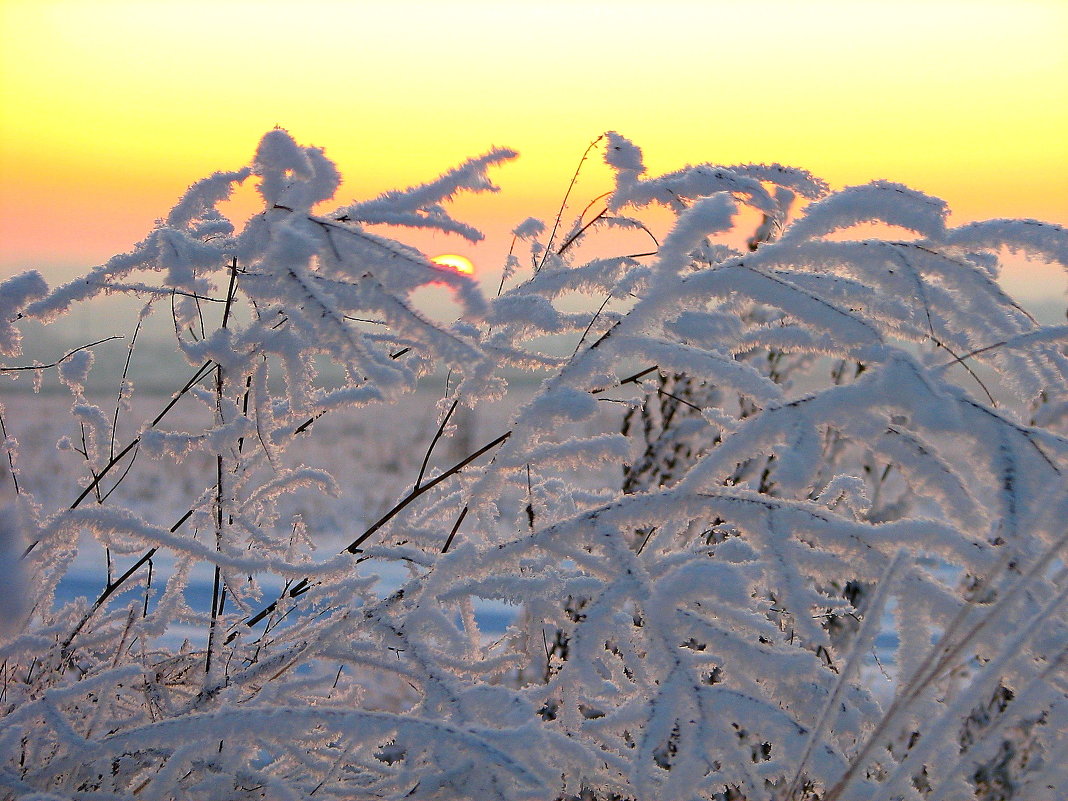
(110, 108)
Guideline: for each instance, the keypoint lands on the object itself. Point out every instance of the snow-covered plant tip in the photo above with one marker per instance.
(786, 522)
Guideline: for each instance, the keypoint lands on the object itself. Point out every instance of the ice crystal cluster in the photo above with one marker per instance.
(760, 465)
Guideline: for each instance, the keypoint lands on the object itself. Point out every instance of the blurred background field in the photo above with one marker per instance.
(374, 454)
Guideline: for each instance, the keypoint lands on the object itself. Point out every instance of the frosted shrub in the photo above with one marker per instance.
(830, 447)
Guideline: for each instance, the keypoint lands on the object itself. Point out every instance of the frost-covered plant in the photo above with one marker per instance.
(824, 442)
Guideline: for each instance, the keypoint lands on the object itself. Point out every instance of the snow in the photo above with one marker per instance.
(776, 518)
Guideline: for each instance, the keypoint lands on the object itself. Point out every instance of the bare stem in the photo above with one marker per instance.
(563, 203)
(58, 361)
(434, 441)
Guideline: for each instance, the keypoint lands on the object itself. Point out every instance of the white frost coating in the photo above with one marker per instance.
(709, 365)
(326, 179)
(293, 176)
(1035, 238)
(707, 216)
(182, 255)
(848, 490)
(178, 445)
(420, 206)
(623, 155)
(708, 330)
(644, 579)
(879, 201)
(204, 196)
(614, 276)
(800, 181)
(74, 370)
(813, 310)
(563, 403)
(15, 294)
(693, 182)
(281, 163)
(529, 228)
(536, 312)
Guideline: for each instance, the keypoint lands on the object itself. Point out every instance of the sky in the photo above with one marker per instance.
(109, 109)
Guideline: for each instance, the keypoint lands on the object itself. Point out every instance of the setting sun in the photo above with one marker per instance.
(451, 261)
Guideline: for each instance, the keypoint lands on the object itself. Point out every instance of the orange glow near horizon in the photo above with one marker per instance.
(112, 108)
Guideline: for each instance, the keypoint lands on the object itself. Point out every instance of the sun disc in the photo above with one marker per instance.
(459, 264)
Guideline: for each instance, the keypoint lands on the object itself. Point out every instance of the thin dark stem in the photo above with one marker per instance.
(601, 216)
(218, 593)
(976, 352)
(58, 361)
(511, 250)
(678, 399)
(200, 316)
(896, 248)
(575, 236)
(122, 384)
(645, 542)
(230, 292)
(967, 367)
(563, 203)
(334, 225)
(308, 423)
(353, 547)
(197, 377)
(530, 500)
(434, 441)
(10, 459)
(148, 588)
(631, 379)
(604, 336)
(590, 326)
(85, 452)
(455, 528)
(244, 412)
(148, 289)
